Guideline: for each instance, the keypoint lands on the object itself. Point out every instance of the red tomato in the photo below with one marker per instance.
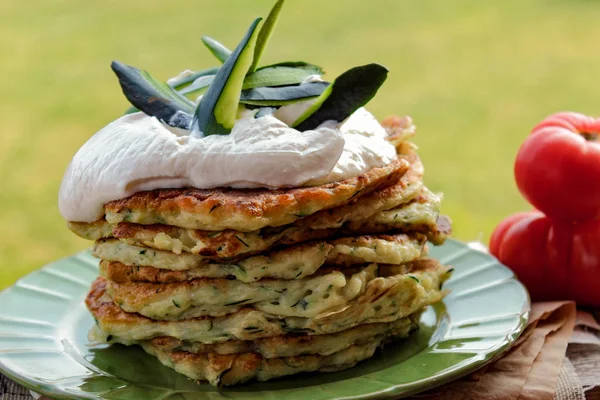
(558, 167)
(555, 260)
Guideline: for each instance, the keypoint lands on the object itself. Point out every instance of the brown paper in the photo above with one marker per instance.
(530, 369)
(586, 320)
(587, 330)
(543, 376)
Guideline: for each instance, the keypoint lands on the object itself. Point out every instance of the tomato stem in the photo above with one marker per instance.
(590, 137)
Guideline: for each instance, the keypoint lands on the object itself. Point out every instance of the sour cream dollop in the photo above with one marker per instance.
(137, 152)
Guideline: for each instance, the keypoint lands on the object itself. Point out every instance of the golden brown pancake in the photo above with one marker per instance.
(308, 297)
(232, 369)
(122, 262)
(360, 209)
(246, 210)
(396, 249)
(384, 300)
(400, 130)
(420, 215)
(436, 233)
(290, 345)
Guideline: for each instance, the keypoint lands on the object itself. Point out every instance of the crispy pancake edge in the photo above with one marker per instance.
(246, 210)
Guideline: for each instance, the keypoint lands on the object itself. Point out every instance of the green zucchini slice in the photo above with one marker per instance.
(279, 76)
(179, 83)
(216, 48)
(222, 53)
(276, 96)
(350, 91)
(182, 83)
(217, 111)
(296, 64)
(197, 87)
(265, 34)
(153, 97)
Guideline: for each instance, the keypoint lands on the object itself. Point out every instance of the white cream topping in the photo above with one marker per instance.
(137, 152)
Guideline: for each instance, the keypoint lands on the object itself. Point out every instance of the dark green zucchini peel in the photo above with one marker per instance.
(217, 111)
(218, 50)
(279, 75)
(350, 91)
(265, 34)
(182, 83)
(153, 97)
(277, 96)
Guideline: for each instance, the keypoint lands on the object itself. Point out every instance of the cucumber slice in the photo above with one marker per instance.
(222, 53)
(295, 64)
(276, 96)
(279, 76)
(217, 111)
(198, 87)
(350, 91)
(182, 83)
(153, 97)
(265, 34)
(217, 49)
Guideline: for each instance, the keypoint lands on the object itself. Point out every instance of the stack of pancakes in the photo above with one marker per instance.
(228, 285)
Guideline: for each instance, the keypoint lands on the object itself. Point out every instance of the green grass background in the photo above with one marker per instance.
(474, 75)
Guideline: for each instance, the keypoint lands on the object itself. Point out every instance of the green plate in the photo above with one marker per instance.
(44, 325)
